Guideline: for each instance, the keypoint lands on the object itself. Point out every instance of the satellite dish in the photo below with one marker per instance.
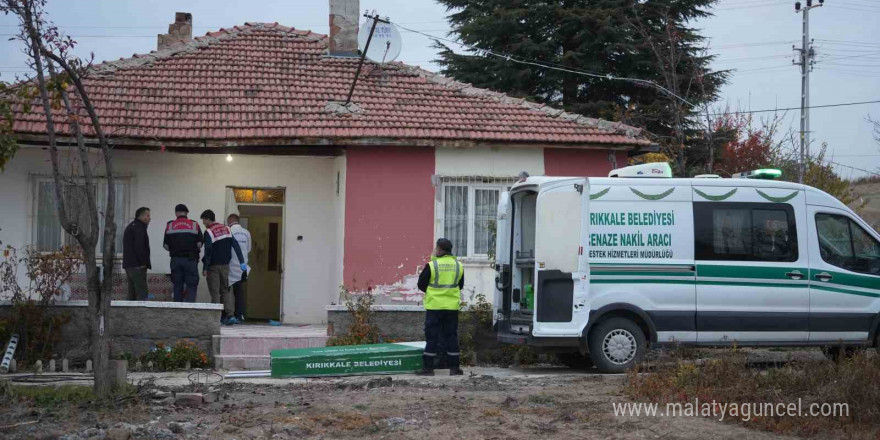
(385, 44)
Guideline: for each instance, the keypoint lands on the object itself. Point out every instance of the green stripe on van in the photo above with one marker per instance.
(691, 282)
(754, 272)
(847, 291)
(639, 281)
(848, 279)
(746, 275)
(641, 274)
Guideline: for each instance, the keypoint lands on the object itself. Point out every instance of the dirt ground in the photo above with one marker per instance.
(486, 403)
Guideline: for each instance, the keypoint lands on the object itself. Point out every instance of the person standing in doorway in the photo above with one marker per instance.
(237, 268)
(136, 255)
(219, 245)
(183, 241)
(442, 280)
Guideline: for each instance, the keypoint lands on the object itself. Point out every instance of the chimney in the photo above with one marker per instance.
(181, 31)
(344, 27)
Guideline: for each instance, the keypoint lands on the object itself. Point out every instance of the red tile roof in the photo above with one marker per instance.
(273, 85)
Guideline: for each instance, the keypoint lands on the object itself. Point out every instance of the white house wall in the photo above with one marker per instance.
(489, 161)
(339, 214)
(160, 180)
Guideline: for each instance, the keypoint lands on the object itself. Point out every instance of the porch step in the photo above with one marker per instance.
(247, 347)
(242, 362)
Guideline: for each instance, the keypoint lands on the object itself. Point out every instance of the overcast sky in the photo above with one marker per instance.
(753, 36)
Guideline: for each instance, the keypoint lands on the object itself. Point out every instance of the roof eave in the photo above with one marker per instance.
(636, 147)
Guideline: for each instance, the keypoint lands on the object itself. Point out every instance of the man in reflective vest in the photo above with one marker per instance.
(442, 280)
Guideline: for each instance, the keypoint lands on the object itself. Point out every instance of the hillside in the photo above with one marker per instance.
(870, 192)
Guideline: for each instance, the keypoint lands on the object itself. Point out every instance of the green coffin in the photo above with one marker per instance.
(403, 357)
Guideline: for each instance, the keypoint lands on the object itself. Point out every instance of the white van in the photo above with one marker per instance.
(597, 269)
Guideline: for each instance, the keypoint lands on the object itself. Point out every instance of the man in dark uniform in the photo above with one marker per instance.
(219, 248)
(442, 280)
(183, 241)
(136, 255)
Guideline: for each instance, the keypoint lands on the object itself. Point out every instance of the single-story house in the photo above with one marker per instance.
(251, 120)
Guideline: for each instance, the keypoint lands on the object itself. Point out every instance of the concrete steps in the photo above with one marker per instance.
(247, 347)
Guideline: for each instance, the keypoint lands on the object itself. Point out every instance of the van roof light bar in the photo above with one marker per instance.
(763, 173)
(655, 169)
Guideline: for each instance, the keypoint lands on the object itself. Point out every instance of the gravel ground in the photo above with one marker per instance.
(486, 403)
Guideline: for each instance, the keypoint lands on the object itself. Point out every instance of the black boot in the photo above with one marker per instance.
(427, 366)
(455, 366)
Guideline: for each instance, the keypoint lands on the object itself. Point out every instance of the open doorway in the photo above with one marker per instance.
(263, 300)
(261, 212)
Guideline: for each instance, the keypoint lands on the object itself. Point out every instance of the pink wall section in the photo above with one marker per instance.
(573, 162)
(389, 213)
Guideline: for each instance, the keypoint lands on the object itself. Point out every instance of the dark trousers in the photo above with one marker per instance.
(239, 290)
(137, 283)
(184, 275)
(218, 285)
(441, 330)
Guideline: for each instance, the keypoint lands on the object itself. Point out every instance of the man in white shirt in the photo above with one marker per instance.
(237, 277)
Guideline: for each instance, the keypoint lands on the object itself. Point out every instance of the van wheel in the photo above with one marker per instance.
(616, 345)
(575, 360)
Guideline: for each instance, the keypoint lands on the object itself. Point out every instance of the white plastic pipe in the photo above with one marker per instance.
(10, 352)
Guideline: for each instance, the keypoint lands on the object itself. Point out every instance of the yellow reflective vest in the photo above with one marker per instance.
(443, 292)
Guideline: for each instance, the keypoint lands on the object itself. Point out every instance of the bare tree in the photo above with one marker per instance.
(876, 125)
(59, 83)
(688, 84)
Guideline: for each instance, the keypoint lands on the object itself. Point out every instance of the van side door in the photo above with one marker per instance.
(844, 277)
(752, 265)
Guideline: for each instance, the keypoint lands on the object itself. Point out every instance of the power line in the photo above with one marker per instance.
(739, 71)
(852, 167)
(856, 9)
(841, 104)
(849, 42)
(549, 65)
(872, 54)
(749, 6)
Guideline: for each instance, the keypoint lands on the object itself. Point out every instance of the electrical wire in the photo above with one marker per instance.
(848, 42)
(852, 167)
(840, 104)
(749, 6)
(549, 65)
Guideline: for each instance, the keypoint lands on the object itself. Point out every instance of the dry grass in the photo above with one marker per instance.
(728, 379)
(492, 412)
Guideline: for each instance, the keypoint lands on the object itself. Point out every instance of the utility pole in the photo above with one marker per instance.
(806, 63)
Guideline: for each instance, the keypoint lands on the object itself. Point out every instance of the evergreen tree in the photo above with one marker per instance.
(645, 39)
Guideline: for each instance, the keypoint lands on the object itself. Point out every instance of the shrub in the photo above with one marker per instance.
(47, 273)
(362, 329)
(730, 379)
(166, 358)
(475, 320)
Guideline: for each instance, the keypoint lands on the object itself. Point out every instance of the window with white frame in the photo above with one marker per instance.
(50, 236)
(470, 205)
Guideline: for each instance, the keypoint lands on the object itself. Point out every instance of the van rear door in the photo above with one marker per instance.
(560, 290)
(501, 300)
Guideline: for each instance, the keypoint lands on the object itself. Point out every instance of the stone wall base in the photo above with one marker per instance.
(135, 326)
